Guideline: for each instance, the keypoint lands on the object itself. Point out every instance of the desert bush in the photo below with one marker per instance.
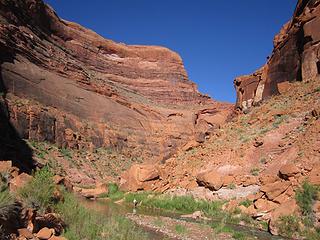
(87, 224)
(38, 193)
(305, 198)
(288, 226)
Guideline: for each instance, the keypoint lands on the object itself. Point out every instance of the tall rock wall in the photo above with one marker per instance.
(295, 57)
(67, 85)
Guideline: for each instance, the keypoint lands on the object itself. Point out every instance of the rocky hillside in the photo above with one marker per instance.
(264, 156)
(66, 85)
(295, 57)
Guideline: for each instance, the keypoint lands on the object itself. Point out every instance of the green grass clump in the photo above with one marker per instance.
(38, 193)
(180, 229)
(278, 120)
(317, 89)
(255, 171)
(112, 188)
(288, 226)
(66, 153)
(158, 222)
(231, 186)
(181, 204)
(87, 224)
(305, 198)
(246, 203)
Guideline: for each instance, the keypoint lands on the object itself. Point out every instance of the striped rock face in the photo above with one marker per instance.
(295, 57)
(80, 90)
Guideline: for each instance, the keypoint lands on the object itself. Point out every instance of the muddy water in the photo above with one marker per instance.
(111, 209)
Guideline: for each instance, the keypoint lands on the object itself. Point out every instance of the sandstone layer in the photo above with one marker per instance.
(65, 84)
(295, 57)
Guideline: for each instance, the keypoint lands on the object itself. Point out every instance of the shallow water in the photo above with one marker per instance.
(113, 209)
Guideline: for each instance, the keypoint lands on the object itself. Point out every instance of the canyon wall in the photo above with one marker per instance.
(295, 57)
(65, 84)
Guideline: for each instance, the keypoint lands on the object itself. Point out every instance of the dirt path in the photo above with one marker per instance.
(178, 229)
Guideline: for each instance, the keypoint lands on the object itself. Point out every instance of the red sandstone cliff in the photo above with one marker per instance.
(295, 57)
(67, 85)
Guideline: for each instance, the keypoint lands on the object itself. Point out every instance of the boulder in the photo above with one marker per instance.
(24, 232)
(50, 220)
(286, 209)
(19, 181)
(288, 170)
(138, 174)
(314, 176)
(211, 179)
(94, 192)
(5, 166)
(45, 233)
(228, 180)
(57, 238)
(273, 190)
(266, 179)
(263, 205)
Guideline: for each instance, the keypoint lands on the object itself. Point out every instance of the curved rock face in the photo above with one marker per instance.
(295, 57)
(67, 85)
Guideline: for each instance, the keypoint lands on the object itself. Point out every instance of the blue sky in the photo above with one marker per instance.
(217, 40)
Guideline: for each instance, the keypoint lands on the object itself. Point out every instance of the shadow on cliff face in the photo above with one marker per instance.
(12, 147)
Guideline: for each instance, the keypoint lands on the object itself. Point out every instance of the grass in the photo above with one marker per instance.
(87, 224)
(305, 198)
(158, 222)
(39, 192)
(81, 222)
(246, 203)
(263, 160)
(288, 226)
(66, 153)
(231, 186)
(180, 229)
(113, 192)
(291, 226)
(255, 171)
(278, 120)
(181, 204)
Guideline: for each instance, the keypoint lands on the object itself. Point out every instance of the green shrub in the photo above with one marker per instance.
(288, 226)
(182, 204)
(66, 153)
(305, 198)
(5, 199)
(255, 171)
(112, 188)
(180, 229)
(246, 203)
(38, 193)
(90, 225)
(278, 119)
(231, 186)
(239, 236)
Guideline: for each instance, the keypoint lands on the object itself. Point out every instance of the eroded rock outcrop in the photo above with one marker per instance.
(67, 85)
(295, 57)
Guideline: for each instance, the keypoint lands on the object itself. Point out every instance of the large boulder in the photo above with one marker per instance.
(273, 190)
(19, 181)
(94, 192)
(136, 177)
(286, 209)
(211, 179)
(288, 170)
(314, 176)
(5, 166)
(45, 233)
